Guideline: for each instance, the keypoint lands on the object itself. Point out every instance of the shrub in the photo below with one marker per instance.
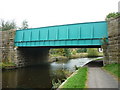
(92, 52)
(113, 15)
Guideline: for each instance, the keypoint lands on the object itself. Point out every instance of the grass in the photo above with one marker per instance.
(7, 64)
(113, 68)
(78, 80)
(98, 59)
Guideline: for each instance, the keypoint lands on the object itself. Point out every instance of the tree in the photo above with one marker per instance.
(61, 52)
(24, 25)
(67, 52)
(7, 25)
(81, 50)
(92, 52)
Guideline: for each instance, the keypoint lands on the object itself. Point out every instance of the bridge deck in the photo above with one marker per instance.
(81, 34)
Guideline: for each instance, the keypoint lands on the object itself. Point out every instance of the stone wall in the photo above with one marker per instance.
(8, 51)
(23, 56)
(112, 51)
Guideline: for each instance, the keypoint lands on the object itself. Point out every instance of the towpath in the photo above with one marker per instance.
(98, 78)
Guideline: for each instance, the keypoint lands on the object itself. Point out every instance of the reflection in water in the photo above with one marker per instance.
(70, 64)
(31, 77)
(40, 76)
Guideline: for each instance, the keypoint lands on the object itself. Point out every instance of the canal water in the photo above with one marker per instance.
(40, 76)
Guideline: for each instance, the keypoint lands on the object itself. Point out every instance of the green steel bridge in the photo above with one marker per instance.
(71, 35)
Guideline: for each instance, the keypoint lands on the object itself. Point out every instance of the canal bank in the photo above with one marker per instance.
(101, 77)
(41, 76)
(96, 76)
(79, 78)
(76, 80)
(54, 58)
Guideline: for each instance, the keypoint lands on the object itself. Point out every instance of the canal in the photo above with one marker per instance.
(40, 76)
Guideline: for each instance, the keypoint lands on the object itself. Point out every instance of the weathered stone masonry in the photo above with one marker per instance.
(112, 50)
(8, 51)
(19, 55)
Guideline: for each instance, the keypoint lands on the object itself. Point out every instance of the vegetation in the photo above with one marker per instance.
(113, 68)
(78, 80)
(24, 25)
(7, 25)
(113, 15)
(56, 84)
(60, 52)
(81, 50)
(67, 53)
(7, 65)
(71, 53)
(98, 59)
(61, 75)
(79, 55)
(92, 52)
(104, 41)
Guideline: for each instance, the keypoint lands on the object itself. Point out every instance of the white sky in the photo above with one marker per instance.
(41, 13)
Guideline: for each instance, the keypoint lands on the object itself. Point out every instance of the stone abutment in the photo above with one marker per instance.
(112, 49)
(21, 56)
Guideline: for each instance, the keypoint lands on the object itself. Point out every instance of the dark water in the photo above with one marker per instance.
(39, 76)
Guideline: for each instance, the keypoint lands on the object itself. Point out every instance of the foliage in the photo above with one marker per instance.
(56, 84)
(113, 68)
(78, 80)
(7, 64)
(104, 41)
(73, 51)
(113, 15)
(67, 52)
(24, 25)
(98, 59)
(61, 75)
(61, 52)
(92, 52)
(81, 50)
(7, 25)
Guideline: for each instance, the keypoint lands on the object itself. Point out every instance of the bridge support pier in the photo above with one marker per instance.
(31, 56)
(112, 50)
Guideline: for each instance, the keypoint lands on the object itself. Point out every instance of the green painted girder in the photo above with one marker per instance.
(80, 34)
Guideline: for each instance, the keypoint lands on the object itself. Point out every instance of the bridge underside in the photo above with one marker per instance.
(28, 56)
(92, 46)
(88, 42)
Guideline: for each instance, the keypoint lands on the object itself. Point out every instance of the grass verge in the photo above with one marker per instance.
(7, 65)
(113, 68)
(98, 59)
(78, 80)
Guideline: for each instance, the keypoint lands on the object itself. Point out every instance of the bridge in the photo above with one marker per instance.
(88, 34)
(34, 43)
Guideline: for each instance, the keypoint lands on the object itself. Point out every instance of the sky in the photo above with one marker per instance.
(41, 13)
